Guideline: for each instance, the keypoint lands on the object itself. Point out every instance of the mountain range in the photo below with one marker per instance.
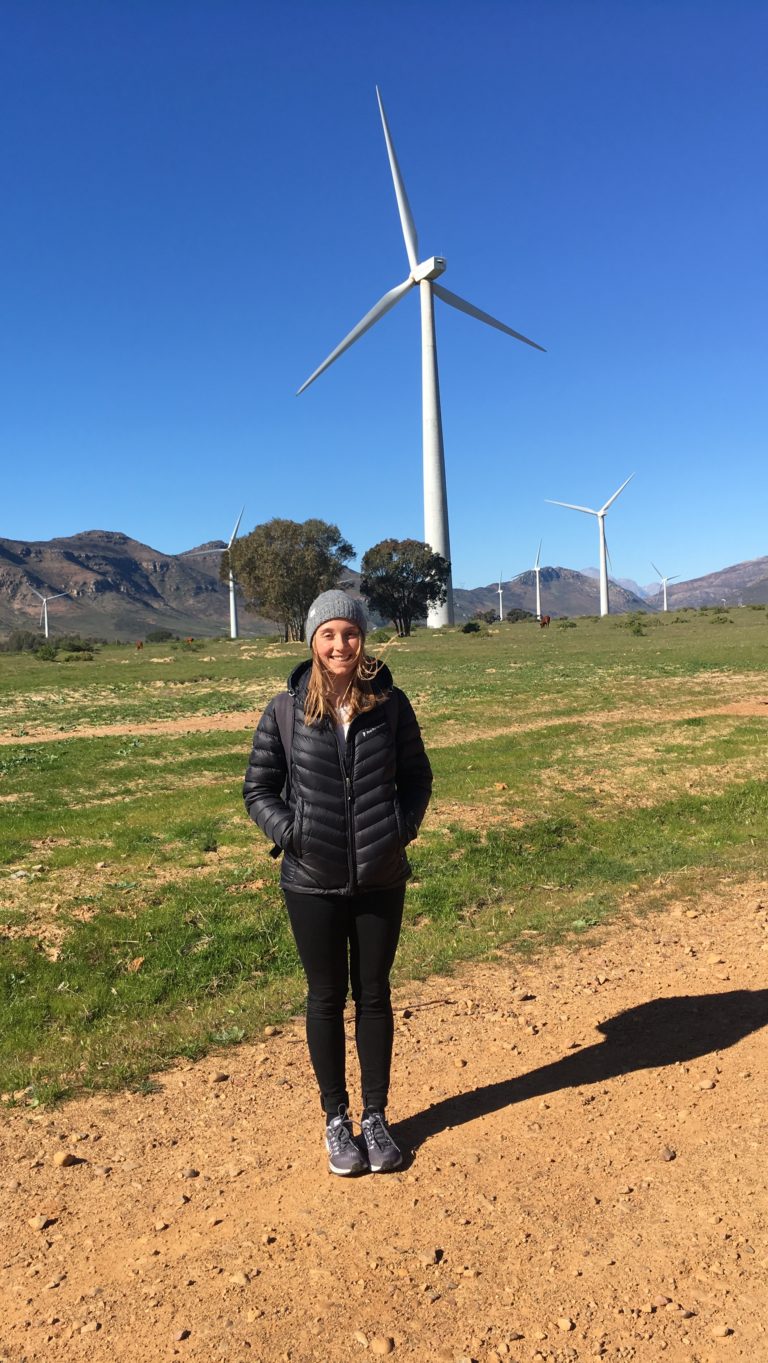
(119, 588)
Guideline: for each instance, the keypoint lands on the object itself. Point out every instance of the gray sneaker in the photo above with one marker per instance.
(383, 1154)
(344, 1156)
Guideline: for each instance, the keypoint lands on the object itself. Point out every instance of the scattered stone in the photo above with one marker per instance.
(271, 1031)
(721, 1331)
(64, 1159)
(102, 1170)
(661, 1300)
(382, 1344)
(100, 865)
(13, 1185)
(459, 1063)
(429, 1257)
(706, 1085)
(239, 1279)
(360, 1339)
(161, 1225)
(565, 1323)
(190, 1173)
(667, 1153)
(38, 1222)
(220, 1077)
(182, 1334)
(90, 1327)
(56, 1282)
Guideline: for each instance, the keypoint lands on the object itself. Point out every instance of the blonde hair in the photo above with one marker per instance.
(359, 696)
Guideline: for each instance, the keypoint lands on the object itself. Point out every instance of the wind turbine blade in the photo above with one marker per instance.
(58, 594)
(655, 569)
(403, 206)
(472, 311)
(37, 593)
(201, 553)
(538, 556)
(233, 536)
(615, 495)
(586, 509)
(42, 612)
(378, 310)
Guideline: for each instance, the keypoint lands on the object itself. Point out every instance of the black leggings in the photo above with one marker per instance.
(338, 937)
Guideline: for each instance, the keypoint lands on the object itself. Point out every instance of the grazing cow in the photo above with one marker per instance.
(140, 644)
(544, 621)
(190, 640)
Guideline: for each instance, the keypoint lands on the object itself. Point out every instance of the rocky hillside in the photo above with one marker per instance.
(563, 592)
(741, 584)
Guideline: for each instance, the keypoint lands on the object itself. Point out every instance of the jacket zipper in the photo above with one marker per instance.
(348, 810)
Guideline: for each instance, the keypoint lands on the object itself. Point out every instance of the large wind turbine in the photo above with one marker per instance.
(425, 274)
(589, 511)
(501, 600)
(200, 553)
(664, 580)
(44, 607)
(537, 571)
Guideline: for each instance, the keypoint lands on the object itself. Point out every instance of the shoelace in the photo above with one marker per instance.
(339, 1135)
(378, 1132)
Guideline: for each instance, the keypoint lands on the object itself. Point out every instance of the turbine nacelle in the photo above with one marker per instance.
(429, 269)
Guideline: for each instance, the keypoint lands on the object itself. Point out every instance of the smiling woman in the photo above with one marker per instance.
(342, 797)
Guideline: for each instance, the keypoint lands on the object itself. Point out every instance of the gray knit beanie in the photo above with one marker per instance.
(334, 605)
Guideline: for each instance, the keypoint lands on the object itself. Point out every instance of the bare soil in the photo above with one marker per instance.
(584, 1176)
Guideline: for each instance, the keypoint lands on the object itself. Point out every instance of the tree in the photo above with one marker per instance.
(486, 617)
(283, 565)
(401, 579)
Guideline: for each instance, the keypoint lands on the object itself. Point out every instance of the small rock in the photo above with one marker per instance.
(429, 1257)
(459, 1063)
(220, 1077)
(13, 1185)
(721, 1331)
(271, 1031)
(360, 1338)
(661, 1300)
(38, 1222)
(64, 1159)
(161, 1225)
(705, 1085)
(239, 1279)
(667, 1153)
(565, 1323)
(182, 1334)
(382, 1344)
(100, 865)
(90, 1327)
(190, 1173)
(102, 1170)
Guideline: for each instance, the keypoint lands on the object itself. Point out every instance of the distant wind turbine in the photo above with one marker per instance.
(44, 607)
(537, 571)
(200, 553)
(425, 274)
(501, 607)
(664, 580)
(589, 511)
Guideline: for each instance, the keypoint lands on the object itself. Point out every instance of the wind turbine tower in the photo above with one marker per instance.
(425, 274)
(44, 607)
(589, 511)
(200, 553)
(664, 580)
(537, 571)
(501, 599)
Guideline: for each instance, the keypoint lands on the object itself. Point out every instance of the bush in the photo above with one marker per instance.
(566, 624)
(380, 636)
(486, 617)
(83, 656)
(46, 652)
(471, 627)
(22, 641)
(160, 636)
(75, 643)
(720, 619)
(517, 613)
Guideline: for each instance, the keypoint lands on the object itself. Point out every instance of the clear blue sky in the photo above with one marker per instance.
(197, 206)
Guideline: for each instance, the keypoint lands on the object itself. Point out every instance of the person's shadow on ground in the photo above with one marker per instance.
(660, 1032)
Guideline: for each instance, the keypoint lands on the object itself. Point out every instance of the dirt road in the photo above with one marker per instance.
(586, 1177)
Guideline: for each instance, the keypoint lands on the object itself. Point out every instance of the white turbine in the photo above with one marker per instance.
(501, 599)
(537, 571)
(423, 273)
(200, 553)
(664, 580)
(589, 511)
(44, 607)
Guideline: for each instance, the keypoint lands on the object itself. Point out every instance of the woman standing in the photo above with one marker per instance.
(342, 809)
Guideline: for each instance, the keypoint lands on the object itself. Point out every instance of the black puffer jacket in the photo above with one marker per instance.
(353, 807)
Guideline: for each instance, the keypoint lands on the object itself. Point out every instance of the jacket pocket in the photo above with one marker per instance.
(295, 839)
(402, 831)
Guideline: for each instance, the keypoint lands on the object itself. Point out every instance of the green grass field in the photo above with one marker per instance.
(580, 772)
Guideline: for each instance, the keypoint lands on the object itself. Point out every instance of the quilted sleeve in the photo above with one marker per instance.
(414, 774)
(264, 780)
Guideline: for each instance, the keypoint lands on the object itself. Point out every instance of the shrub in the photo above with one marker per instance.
(22, 641)
(83, 656)
(517, 614)
(160, 636)
(471, 627)
(380, 636)
(566, 624)
(46, 652)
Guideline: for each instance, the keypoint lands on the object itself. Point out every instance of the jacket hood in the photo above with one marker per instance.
(298, 680)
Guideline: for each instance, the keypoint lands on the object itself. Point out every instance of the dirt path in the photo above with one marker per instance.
(587, 1179)
(229, 722)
